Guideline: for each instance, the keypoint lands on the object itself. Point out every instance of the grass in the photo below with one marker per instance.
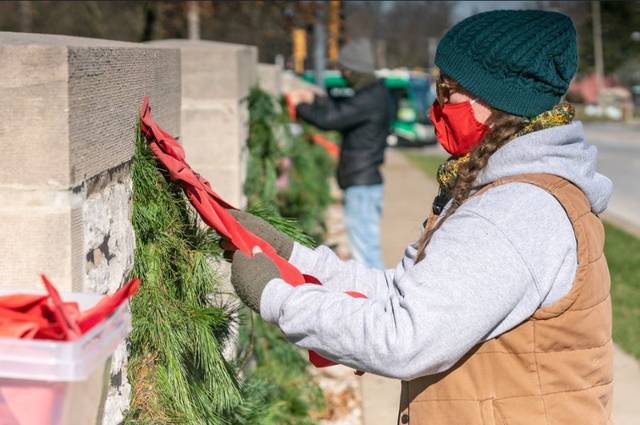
(623, 255)
(428, 163)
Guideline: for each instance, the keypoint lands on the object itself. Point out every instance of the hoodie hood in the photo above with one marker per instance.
(558, 150)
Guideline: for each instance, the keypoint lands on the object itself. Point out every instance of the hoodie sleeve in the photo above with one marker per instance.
(339, 275)
(473, 285)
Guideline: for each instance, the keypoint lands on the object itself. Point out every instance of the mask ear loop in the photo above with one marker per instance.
(475, 100)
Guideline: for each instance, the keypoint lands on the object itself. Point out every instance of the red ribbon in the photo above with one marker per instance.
(26, 316)
(291, 107)
(332, 149)
(213, 209)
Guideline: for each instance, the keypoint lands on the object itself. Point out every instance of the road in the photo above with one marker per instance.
(619, 159)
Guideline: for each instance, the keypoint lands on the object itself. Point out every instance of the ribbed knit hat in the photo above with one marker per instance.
(518, 61)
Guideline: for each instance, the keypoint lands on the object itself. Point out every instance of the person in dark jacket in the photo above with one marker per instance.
(364, 120)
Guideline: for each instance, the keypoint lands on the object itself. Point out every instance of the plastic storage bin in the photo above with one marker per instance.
(59, 382)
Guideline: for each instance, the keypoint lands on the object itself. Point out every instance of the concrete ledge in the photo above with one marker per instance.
(74, 104)
(68, 135)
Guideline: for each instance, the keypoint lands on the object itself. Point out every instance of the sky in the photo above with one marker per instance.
(462, 9)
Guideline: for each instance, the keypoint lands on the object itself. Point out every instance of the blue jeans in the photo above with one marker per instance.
(363, 209)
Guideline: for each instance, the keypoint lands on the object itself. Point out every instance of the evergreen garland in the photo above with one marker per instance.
(270, 140)
(176, 367)
(264, 151)
(298, 211)
(308, 194)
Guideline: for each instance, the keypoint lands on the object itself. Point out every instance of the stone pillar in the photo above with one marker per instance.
(67, 130)
(270, 78)
(216, 80)
(290, 82)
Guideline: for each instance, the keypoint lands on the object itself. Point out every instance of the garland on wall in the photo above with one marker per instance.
(287, 185)
(287, 174)
(176, 366)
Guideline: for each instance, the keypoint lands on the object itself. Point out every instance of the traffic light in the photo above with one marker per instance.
(299, 36)
(335, 25)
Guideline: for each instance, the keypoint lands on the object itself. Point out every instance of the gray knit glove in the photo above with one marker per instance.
(250, 275)
(282, 243)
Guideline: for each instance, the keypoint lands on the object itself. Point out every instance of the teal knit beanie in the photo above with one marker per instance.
(518, 61)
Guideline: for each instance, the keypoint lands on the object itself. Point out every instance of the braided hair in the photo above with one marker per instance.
(504, 126)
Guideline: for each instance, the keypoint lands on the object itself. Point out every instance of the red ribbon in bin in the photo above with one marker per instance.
(213, 209)
(29, 316)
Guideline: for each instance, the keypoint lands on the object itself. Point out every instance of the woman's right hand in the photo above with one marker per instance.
(301, 96)
(282, 243)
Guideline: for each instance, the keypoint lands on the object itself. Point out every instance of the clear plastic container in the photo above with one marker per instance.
(59, 382)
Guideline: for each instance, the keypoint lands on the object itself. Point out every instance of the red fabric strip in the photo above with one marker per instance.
(27, 316)
(213, 209)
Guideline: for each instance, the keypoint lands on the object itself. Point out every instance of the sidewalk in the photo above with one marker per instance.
(408, 195)
(407, 199)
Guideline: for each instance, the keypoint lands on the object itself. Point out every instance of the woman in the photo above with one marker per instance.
(500, 312)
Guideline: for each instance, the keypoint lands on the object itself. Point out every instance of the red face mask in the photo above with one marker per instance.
(457, 129)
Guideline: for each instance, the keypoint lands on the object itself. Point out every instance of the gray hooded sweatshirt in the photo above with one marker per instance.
(491, 265)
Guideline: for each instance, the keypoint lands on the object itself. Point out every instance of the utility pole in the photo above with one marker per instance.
(26, 16)
(193, 20)
(432, 43)
(319, 35)
(597, 46)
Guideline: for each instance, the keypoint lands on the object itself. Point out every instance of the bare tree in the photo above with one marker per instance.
(406, 29)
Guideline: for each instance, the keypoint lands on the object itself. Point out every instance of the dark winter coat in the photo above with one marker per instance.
(364, 120)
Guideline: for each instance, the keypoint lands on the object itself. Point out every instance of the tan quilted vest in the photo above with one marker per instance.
(556, 368)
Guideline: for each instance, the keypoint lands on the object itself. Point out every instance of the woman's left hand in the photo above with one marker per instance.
(250, 275)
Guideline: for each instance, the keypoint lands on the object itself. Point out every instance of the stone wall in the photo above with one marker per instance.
(67, 127)
(216, 80)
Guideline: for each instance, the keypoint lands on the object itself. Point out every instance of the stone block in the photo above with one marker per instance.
(68, 130)
(73, 103)
(214, 70)
(216, 80)
(270, 78)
